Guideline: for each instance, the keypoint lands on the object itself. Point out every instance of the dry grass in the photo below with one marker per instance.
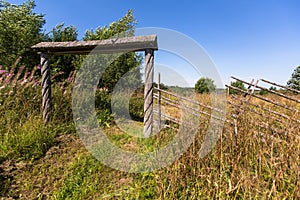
(255, 158)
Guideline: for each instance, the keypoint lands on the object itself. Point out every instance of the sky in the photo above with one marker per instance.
(244, 38)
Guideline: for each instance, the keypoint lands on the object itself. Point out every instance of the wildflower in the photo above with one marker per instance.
(71, 78)
(2, 71)
(39, 66)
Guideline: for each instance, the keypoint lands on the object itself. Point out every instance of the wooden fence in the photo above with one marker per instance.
(279, 111)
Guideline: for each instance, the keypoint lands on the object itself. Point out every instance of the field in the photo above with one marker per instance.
(249, 161)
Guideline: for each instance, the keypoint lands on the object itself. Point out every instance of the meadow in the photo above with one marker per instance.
(40, 161)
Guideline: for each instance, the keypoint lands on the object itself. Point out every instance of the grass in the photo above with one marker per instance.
(38, 161)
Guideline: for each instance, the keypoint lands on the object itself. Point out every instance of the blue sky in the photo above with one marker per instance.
(248, 39)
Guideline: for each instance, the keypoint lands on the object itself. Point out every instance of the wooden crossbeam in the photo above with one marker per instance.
(113, 45)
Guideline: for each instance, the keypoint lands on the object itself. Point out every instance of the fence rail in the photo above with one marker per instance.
(239, 106)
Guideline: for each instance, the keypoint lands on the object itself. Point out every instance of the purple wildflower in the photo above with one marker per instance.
(39, 66)
(71, 78)
(2, 71)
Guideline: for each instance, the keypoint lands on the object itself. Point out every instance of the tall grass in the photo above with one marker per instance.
(22, 132)
(252, 163)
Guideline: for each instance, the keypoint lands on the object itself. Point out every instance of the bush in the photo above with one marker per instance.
(136, 108)
(205, 85)
(237, 84)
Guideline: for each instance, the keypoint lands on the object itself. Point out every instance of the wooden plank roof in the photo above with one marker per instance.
(113, 45)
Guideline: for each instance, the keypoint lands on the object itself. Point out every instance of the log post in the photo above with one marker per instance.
(46, 87)
(159, 103)
(148, 93)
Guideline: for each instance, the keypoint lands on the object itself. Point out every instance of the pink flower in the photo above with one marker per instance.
(71, 78)
(39, 66)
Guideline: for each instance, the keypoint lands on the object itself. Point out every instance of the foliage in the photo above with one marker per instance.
(205, 85)
(162, 86)
(102, 103)
(136, 107)
(125, 62)
(294, 81)
(63, 64)
(237, 84)
(122, 28)
(273, 88)
(20, 28)
(265, 92)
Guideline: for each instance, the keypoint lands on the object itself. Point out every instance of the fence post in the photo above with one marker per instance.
(159, 103)
(148, 93)
(46, 87)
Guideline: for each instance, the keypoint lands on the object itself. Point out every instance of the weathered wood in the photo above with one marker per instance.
(159, 102)
(46, 87)
(114, 45)
(266, 89)
(282, 86)
(264, 99)
(148, 93)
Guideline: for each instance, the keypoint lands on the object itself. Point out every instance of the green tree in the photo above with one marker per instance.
(205, 85)
(20, 28)
(273, 88)
(63, 65)
(122, 28)
(294, 81)
(237, 84)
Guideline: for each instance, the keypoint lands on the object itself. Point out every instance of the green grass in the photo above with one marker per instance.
(51, 162)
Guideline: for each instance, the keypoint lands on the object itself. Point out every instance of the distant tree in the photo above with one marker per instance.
(294, 81)
(20, 28)
(122, 28)
(205, 85)
(273, 88)
(162, 86)
(237, 84)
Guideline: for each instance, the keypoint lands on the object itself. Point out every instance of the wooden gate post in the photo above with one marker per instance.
(46, 87)
(159, 102)
(148, 92)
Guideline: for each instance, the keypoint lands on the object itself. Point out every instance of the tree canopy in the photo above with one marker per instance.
(205, 85)
(63, 64)
(20, 28)
(237, 84)
(124, 27)
(294, 81)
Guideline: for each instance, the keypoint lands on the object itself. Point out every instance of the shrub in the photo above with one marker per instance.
(205, 85)
(237, 84)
